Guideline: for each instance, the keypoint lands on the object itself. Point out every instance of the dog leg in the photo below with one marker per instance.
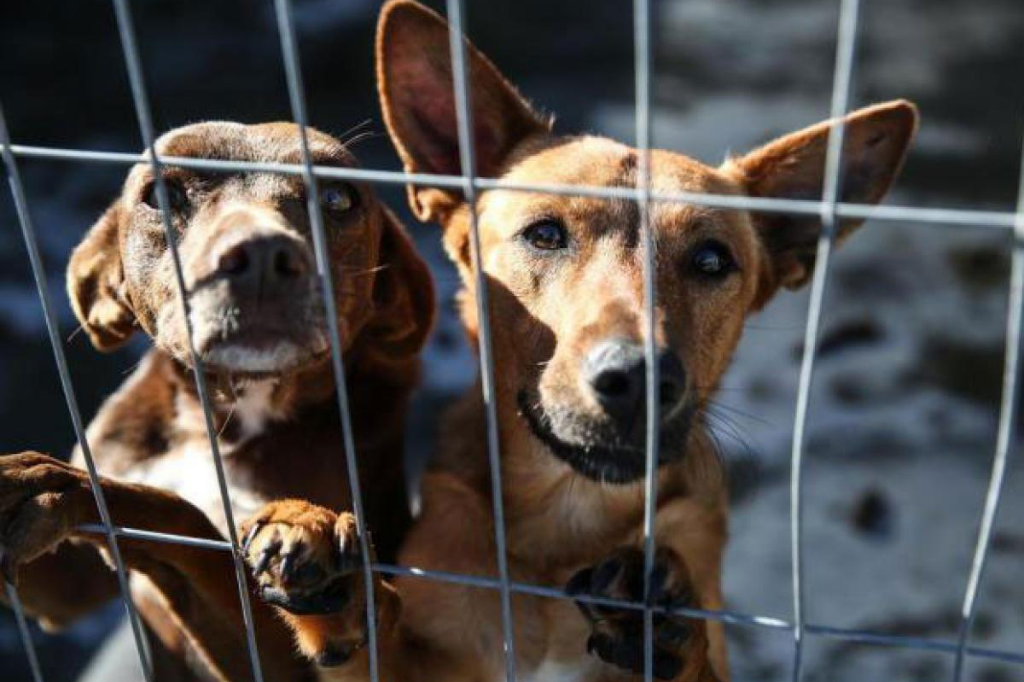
(306, 560)
(56, 602)
(696, 528)
(44, 501)
(617, 635)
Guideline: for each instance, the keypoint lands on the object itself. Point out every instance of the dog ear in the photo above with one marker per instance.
(403, 299)
(95, 279)
(875, 142)
(414, 80)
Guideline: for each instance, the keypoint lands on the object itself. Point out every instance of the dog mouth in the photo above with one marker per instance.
(597, 451)
(265, 356)
(264, 346)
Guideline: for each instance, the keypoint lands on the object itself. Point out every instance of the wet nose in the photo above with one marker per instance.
(616, 373)
(262, 262)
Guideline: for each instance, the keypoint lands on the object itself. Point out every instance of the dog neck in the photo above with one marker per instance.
(555, 516)
(243, 407)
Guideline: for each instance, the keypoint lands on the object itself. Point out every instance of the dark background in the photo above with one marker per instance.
(903, 413)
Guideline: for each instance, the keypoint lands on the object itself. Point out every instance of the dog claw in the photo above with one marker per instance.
(658, 583)
(617, 636)
(288, 563)
(264, 560)
(671, 634)
(579, 583)
(251, 535)
(293, 551)
(604, 575)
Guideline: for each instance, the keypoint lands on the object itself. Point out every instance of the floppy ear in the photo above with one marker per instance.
(414, 80)
(95, 281)
(403, 299)
(875, 142)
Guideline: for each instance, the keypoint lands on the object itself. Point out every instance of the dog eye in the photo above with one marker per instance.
(175, 194)
(712, 260)
(547, 235)
(338, 198)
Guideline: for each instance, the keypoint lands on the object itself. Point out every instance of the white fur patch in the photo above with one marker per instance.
(245, 359)
(553, 671)
(190, 472)
(255, 407)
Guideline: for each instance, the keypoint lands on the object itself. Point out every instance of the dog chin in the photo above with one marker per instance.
(604, 460)
(276, 359)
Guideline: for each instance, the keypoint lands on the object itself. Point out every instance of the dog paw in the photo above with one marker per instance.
(303, 557)
(617, 634)
(307, 562)
(41, 502)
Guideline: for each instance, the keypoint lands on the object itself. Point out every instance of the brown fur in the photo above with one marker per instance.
(45, 501)
(277, 420)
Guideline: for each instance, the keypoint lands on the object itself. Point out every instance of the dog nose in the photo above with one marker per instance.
(616, 372)
(264, 261)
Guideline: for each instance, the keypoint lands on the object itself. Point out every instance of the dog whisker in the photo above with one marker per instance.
(354, 130)
(356, 139)
(368, 271)
(718, 424)
(78, 330)
(739, 412)
(227, 419)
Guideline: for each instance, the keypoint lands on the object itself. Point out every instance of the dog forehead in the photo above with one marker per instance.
(601, 162)
(262, 143)
(230, 141)
(585, 160)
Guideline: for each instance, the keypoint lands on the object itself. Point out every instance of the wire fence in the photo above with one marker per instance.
(829, 208)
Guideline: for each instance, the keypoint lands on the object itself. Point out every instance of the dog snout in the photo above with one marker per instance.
(615, 371)
(263, 262)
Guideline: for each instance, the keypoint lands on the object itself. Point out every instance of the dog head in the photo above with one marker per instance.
(565, 273)
(246, 249)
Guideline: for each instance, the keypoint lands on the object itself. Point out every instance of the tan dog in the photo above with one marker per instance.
(564, 275)
(258, 324)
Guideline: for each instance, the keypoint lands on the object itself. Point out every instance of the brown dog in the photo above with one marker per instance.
(565, 281)
(258, 323)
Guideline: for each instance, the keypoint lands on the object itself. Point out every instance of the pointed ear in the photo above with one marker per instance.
(95, 282)
(875, 142)
(414, 80)
(403, 299)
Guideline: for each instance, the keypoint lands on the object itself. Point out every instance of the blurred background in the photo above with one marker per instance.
(904, 404)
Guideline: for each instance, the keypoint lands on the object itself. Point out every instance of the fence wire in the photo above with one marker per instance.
(133, 63)
(26, 637)
(829, 208)
(845, 46)
(289, 49)
(1005, 433)
(467, 161)
(642, 56)
(56, 344)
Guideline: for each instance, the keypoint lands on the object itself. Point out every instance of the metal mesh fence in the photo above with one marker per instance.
(829, 208)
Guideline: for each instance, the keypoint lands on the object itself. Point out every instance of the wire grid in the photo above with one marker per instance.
(829, 208)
